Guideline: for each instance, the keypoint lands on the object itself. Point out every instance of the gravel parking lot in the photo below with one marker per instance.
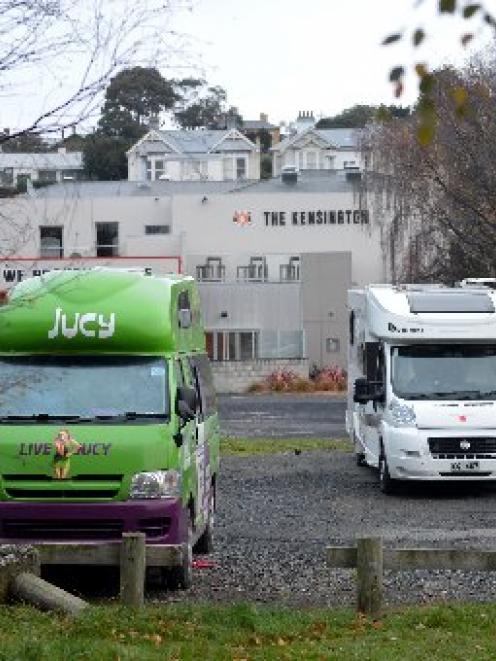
(277, 513)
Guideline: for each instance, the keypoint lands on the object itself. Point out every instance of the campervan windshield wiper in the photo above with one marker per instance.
(455, 394)
(42, 417)
(128, 415)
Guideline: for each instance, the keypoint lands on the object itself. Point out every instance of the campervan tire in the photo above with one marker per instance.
(360, 459)
(181, 577)
(386, 483)
(205, 543)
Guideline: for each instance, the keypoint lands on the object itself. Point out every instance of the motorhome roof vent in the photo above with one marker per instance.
(449, 301)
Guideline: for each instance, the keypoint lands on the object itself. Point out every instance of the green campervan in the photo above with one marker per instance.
(108, 419)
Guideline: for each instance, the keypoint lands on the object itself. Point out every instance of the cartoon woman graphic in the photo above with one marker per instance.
(65, 447)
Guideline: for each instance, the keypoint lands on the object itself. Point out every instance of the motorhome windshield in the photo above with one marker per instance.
(85, 387)
(444, 371)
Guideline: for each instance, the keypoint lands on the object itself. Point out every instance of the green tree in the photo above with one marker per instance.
(105, 157)
(24, 142)
(140, 92)
(133, 97)
(200, 105)
(359, 116)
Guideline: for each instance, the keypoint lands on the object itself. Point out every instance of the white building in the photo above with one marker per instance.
(46, 167)
(274, 260)
(319, 149)
(201, 155)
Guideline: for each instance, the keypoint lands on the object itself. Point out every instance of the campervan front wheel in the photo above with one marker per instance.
(386, 483)
(205, 543)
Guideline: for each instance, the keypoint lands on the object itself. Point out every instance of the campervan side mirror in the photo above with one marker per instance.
(366, 391)
(361, 393)
(186, 403)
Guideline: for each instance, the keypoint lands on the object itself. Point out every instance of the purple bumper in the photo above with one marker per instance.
(162, 521)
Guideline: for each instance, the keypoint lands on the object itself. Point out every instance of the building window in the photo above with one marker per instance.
(47, 176)
(51, 241)
(232, 345)
(107, 239)
(156, 169)
(240, 168)
(157, 229)
(7, 176)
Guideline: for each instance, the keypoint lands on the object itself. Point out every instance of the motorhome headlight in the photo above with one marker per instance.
(401, 415)
(156, 484)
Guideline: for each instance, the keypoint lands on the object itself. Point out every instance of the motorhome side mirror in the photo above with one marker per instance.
(184, 411)
(186, 402)
(361, 391)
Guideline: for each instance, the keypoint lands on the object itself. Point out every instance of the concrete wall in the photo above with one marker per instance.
(236, 377)
(325, 281)
(79, 216)
(208, 229)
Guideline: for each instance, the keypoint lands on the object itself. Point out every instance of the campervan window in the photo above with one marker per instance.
(441, 371)
(85, 386)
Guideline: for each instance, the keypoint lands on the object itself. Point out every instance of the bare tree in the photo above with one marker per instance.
(438, 200)
(56, 56)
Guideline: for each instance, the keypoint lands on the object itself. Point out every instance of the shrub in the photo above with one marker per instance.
(330, 379)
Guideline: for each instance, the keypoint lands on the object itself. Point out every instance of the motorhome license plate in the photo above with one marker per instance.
(465, 466)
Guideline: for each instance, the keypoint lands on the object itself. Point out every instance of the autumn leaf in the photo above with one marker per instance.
(396, 74)
(392, 38)
(425, 133)
(470, 10)
(418, 37)
(447, 6)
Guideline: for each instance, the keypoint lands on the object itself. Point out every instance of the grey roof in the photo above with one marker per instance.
(309, 181)
(195, 142)
(257, 125)
(87, 189)
(72, 160)
(340, 138)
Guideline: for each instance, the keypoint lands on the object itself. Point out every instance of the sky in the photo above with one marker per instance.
(280, 57)
(277, 57)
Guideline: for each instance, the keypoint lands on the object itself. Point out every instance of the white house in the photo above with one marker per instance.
(46, 167)
(201, 155)
(319, 149)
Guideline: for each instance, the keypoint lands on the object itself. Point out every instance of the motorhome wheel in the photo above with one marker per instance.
(386, 483)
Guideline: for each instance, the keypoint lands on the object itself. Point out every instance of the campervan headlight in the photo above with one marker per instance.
(401, 415)
(156, 484)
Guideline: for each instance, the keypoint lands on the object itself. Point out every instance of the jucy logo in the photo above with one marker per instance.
(89, 324)
(63, 448)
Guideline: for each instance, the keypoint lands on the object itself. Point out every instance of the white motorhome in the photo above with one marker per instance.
(422, 382)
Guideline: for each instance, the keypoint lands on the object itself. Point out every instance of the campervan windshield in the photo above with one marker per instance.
(85, 386)
(441, 371)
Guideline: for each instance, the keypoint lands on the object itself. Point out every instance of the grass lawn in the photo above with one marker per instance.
(247, 632)
(245, 446)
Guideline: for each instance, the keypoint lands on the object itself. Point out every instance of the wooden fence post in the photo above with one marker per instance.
(132, 569)
(369, 575)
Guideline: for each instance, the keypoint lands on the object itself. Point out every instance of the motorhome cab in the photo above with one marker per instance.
(107, 415)
(422, 382)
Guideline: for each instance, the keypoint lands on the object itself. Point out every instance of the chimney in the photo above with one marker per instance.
(264, 117)
(232, 118)
(153, 123)
(6, 132)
